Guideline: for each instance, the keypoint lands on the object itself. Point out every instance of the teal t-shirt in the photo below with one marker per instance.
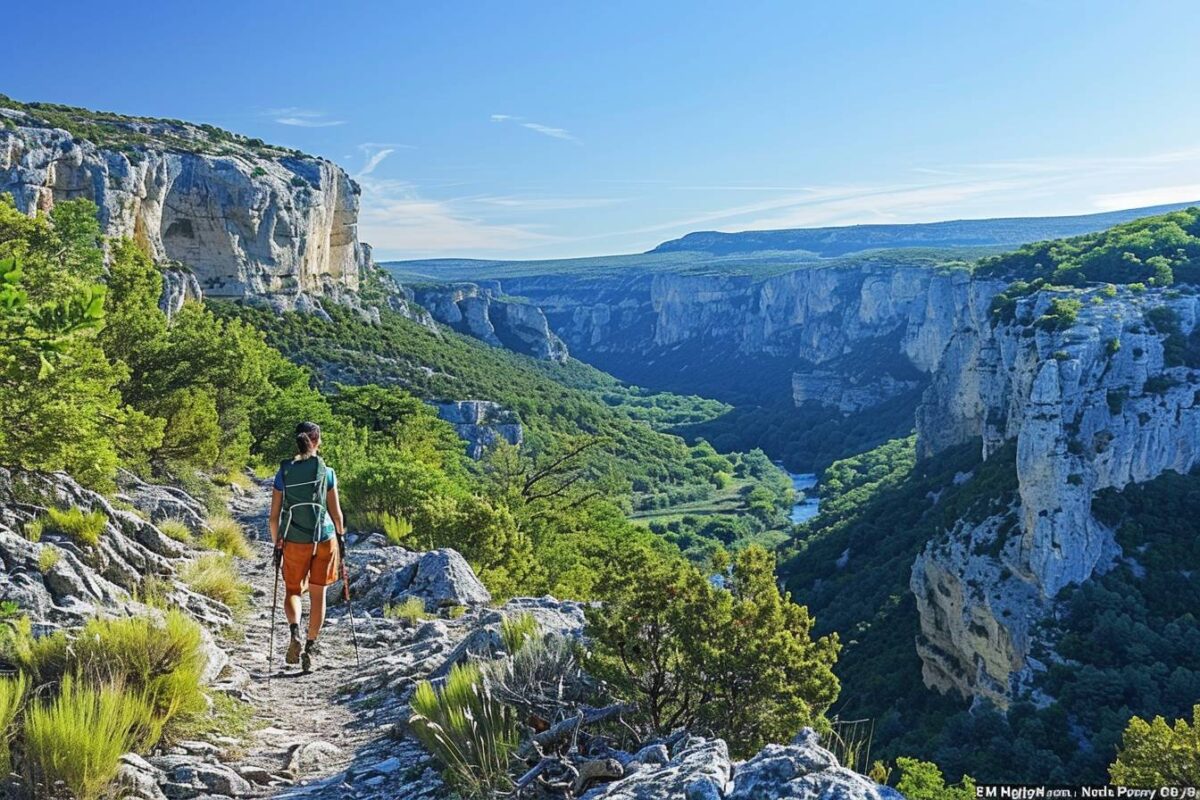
(330, 483)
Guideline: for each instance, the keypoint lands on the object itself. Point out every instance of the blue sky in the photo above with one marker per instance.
(549, 129)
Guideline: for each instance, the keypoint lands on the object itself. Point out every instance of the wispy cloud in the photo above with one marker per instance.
(397, 218)
(545, 130)
(303, 118)
(374, 153)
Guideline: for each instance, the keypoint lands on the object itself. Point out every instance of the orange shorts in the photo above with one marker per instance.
(301, 564)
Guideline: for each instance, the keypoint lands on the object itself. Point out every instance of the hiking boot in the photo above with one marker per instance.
(310, 650)
(293, 653)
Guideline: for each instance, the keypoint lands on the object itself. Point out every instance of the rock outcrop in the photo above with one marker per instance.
(248, 220)
(481, 310)
(1102, 400)
(481, 423)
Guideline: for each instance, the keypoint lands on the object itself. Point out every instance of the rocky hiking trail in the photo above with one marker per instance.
(310, 738)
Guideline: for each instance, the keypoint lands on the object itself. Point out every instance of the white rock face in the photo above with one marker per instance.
(1094, 406)
(245, 225)
(481, 310)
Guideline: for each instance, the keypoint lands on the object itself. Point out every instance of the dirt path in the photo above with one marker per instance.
(310, 735)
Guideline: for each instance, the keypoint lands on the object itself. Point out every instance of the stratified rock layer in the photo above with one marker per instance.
(1092, 404)
(246, 222)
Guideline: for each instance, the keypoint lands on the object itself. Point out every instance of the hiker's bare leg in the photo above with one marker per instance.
(316, 612)
(291, 609)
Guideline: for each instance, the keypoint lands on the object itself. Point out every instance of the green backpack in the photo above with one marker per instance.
(304, 489)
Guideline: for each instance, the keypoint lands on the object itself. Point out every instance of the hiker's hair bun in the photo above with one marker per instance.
(307, 436)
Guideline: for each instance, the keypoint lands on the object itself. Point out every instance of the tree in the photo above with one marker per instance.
(921, 780)
(738, 662)
(1157, 754)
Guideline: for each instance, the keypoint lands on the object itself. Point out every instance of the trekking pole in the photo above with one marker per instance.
(346, 595)
(274, 605)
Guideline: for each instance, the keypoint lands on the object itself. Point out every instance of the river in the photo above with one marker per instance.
(805, 483)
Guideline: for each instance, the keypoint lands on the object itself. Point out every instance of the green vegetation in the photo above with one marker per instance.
(1156, 754)
(12, 700)
(471, 733)
(79, 736)
(223, 533)
(517, 630)
(921, 780)
(215, 576)
(48, 557)
(84, 527)
(411, 610)
(121, 132)
(737, 662)
(176, 529)
(120, 685)
(1061, 315)
(1153, 250)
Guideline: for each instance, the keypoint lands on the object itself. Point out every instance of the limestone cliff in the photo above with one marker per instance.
(245, 218)
(811, 318)
(482, 310)
(1102, 400)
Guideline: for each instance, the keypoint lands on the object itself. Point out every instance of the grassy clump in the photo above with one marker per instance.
(517, 630)
(34, 528)
(176, 529)
(411, 610)
(215, 576)
(470, 732)
(12, 699)
(226, 535)
(84, 527)
(78, 737)
(48, 556)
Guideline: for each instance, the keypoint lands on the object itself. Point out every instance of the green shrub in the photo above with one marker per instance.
(215, 576)
(1156, 753)
(12, 699)
(411, 610)
(48, 556)
(226, 535)
(84, 527)
(79, 736)
(921, 780)
(1061, 314)
(517, 630)
(471, 733)
(176, 529)
(34, 528)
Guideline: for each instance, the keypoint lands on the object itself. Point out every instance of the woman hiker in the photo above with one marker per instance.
(306, 528)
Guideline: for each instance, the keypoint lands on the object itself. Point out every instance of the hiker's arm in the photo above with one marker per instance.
(334, 506)
(273, 519)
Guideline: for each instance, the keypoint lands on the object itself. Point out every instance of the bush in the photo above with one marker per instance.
(1155, 754)
(48, 556)
(34, 528)
(226, 535)
(215, 576)
(468, 730)
(545, 677)
(921, 780)
(12, 699)
(665, 629)
(517, 630)
(397, 529)
(84, 527)
(79, 736)
(411, 610)
(176, 529)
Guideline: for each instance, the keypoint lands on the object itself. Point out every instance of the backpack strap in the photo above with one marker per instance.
(318, 498)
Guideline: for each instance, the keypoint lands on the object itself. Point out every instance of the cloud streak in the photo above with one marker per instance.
(303, 118)
(537, 127)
